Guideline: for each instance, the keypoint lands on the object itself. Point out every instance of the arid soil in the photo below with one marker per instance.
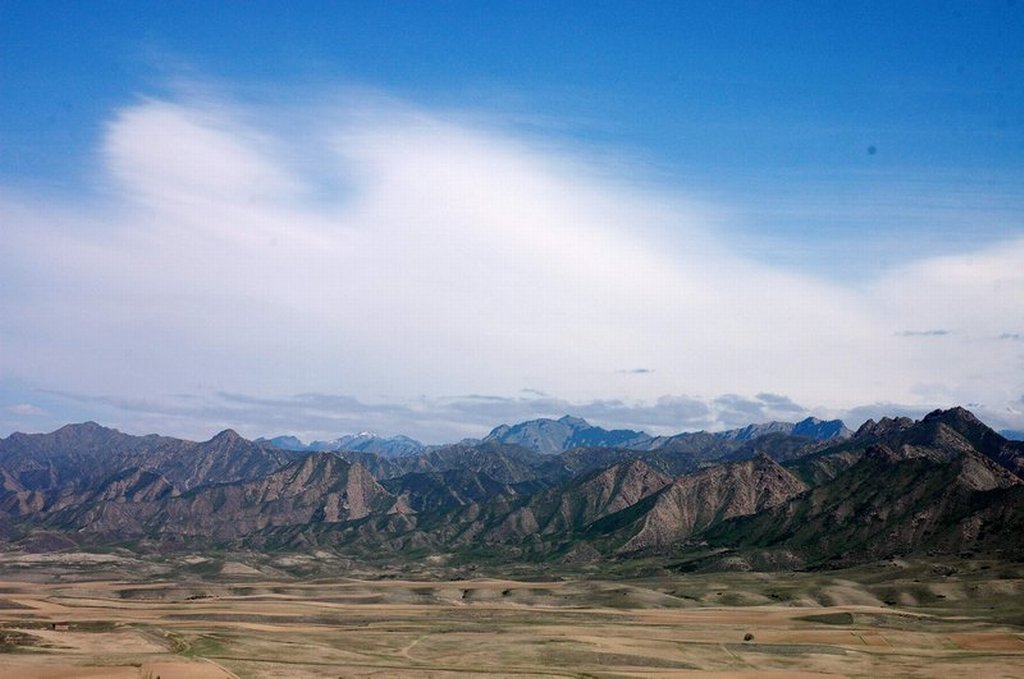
(246, 622)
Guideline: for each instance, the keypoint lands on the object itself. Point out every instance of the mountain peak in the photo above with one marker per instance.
(84, 431)
(954, 415)
(226, 436)
(884, 426)
(578, 422)
(84, 427)
(821, 430)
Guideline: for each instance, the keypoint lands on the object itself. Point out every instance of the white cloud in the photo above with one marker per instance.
(198, 156)
(25, 409)
(449, 258)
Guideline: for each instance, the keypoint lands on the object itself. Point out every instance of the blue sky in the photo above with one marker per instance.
(646, 212)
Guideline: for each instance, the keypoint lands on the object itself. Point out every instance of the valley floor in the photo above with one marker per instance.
(106, 616)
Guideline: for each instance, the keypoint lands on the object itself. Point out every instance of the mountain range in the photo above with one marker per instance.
(551, 437)
(773, 495)
(366, 442)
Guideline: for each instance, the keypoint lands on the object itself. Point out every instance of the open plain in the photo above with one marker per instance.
(112, 615)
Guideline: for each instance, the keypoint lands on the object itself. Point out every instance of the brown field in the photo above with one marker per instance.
(212, 618)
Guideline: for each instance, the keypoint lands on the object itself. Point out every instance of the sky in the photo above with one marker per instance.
(431, 218)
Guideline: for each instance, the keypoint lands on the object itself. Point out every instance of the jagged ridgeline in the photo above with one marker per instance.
(779, 494)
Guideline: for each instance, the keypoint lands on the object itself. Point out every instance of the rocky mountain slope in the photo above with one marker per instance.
(691, 504)
(319, 488)
(944, 484)
(38, 469)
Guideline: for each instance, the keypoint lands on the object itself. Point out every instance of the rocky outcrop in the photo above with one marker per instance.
(693, 503)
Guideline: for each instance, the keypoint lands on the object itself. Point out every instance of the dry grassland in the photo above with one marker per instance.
(226, 621)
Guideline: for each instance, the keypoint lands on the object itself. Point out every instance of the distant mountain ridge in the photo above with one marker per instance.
(366, 442)
(765, 495)
(1012, 434)
(550, 437)
(811, 427)
(77, 453)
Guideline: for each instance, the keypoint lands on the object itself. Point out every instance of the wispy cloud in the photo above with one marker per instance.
(25, 409)
(923, 333)
(397, 254)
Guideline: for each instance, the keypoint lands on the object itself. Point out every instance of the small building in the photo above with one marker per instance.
(60, 626)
